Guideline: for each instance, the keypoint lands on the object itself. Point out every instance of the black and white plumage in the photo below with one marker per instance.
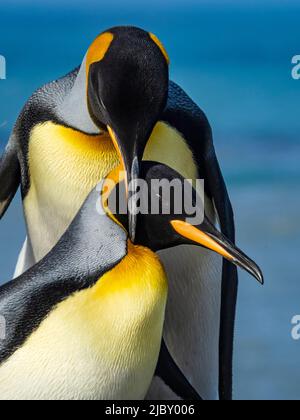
(56, 179)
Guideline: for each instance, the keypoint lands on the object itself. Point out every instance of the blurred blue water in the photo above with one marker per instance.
(235, 62)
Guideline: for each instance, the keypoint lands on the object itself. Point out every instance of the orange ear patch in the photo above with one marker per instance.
(160, 46)
(98, 49)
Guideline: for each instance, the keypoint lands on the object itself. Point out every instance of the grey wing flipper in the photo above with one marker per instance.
(168, 371)
(229, 277)
(10, 176)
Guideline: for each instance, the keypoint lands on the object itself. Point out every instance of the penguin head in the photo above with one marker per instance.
(179, 226)
(170, 226)
(127, 86)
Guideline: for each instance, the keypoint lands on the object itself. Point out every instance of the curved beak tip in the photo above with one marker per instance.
(252, 269)
(260, 277)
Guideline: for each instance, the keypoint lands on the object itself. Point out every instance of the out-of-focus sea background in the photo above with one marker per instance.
(234, 59)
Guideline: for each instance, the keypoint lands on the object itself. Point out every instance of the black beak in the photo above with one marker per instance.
(131, 151)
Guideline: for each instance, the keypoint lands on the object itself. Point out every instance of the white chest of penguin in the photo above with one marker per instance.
(101, 343)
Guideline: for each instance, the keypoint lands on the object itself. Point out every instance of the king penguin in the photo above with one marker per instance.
(86, 322)
(119, 105)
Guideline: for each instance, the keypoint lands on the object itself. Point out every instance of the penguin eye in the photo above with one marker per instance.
(160, 199)
(163, 203)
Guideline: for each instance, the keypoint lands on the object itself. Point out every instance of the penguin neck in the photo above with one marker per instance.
(74, 108)
(91, 248)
